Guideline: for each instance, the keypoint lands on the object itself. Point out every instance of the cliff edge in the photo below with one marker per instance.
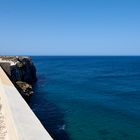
(21, 71)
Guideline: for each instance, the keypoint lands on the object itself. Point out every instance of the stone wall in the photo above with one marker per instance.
(20, 121)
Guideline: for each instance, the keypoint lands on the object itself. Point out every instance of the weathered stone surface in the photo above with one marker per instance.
(3, 129)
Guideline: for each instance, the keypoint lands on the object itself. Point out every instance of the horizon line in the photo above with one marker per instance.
(74, 55)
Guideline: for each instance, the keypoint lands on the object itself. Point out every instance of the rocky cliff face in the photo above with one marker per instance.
(24, 70)
(21, 71)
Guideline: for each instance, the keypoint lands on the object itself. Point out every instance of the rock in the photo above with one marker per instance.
(21, 71)
(24, 88)
(24, 71)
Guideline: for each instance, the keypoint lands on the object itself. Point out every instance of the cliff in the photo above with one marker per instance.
(21, 71)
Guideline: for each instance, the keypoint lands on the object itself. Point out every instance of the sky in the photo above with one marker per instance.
(69, 27)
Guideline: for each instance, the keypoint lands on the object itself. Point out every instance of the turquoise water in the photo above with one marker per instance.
(88, 98)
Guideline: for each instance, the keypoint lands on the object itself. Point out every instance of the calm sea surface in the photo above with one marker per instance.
(88, 98)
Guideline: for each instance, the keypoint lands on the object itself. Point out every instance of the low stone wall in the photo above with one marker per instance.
(21, 123)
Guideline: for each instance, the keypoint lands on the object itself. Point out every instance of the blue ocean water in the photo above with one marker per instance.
(88, 98)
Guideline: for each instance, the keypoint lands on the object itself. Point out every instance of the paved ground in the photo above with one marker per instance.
(3, 131)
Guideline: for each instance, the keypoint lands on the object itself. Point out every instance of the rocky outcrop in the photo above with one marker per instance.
(21, 71)
(24, 70)
(24, 88)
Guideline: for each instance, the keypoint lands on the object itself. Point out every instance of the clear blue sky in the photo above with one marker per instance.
(70, 27)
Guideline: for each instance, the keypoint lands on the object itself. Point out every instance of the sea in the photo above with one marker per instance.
(88, 97)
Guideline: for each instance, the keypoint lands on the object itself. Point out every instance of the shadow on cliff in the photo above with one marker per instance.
(50, 116)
